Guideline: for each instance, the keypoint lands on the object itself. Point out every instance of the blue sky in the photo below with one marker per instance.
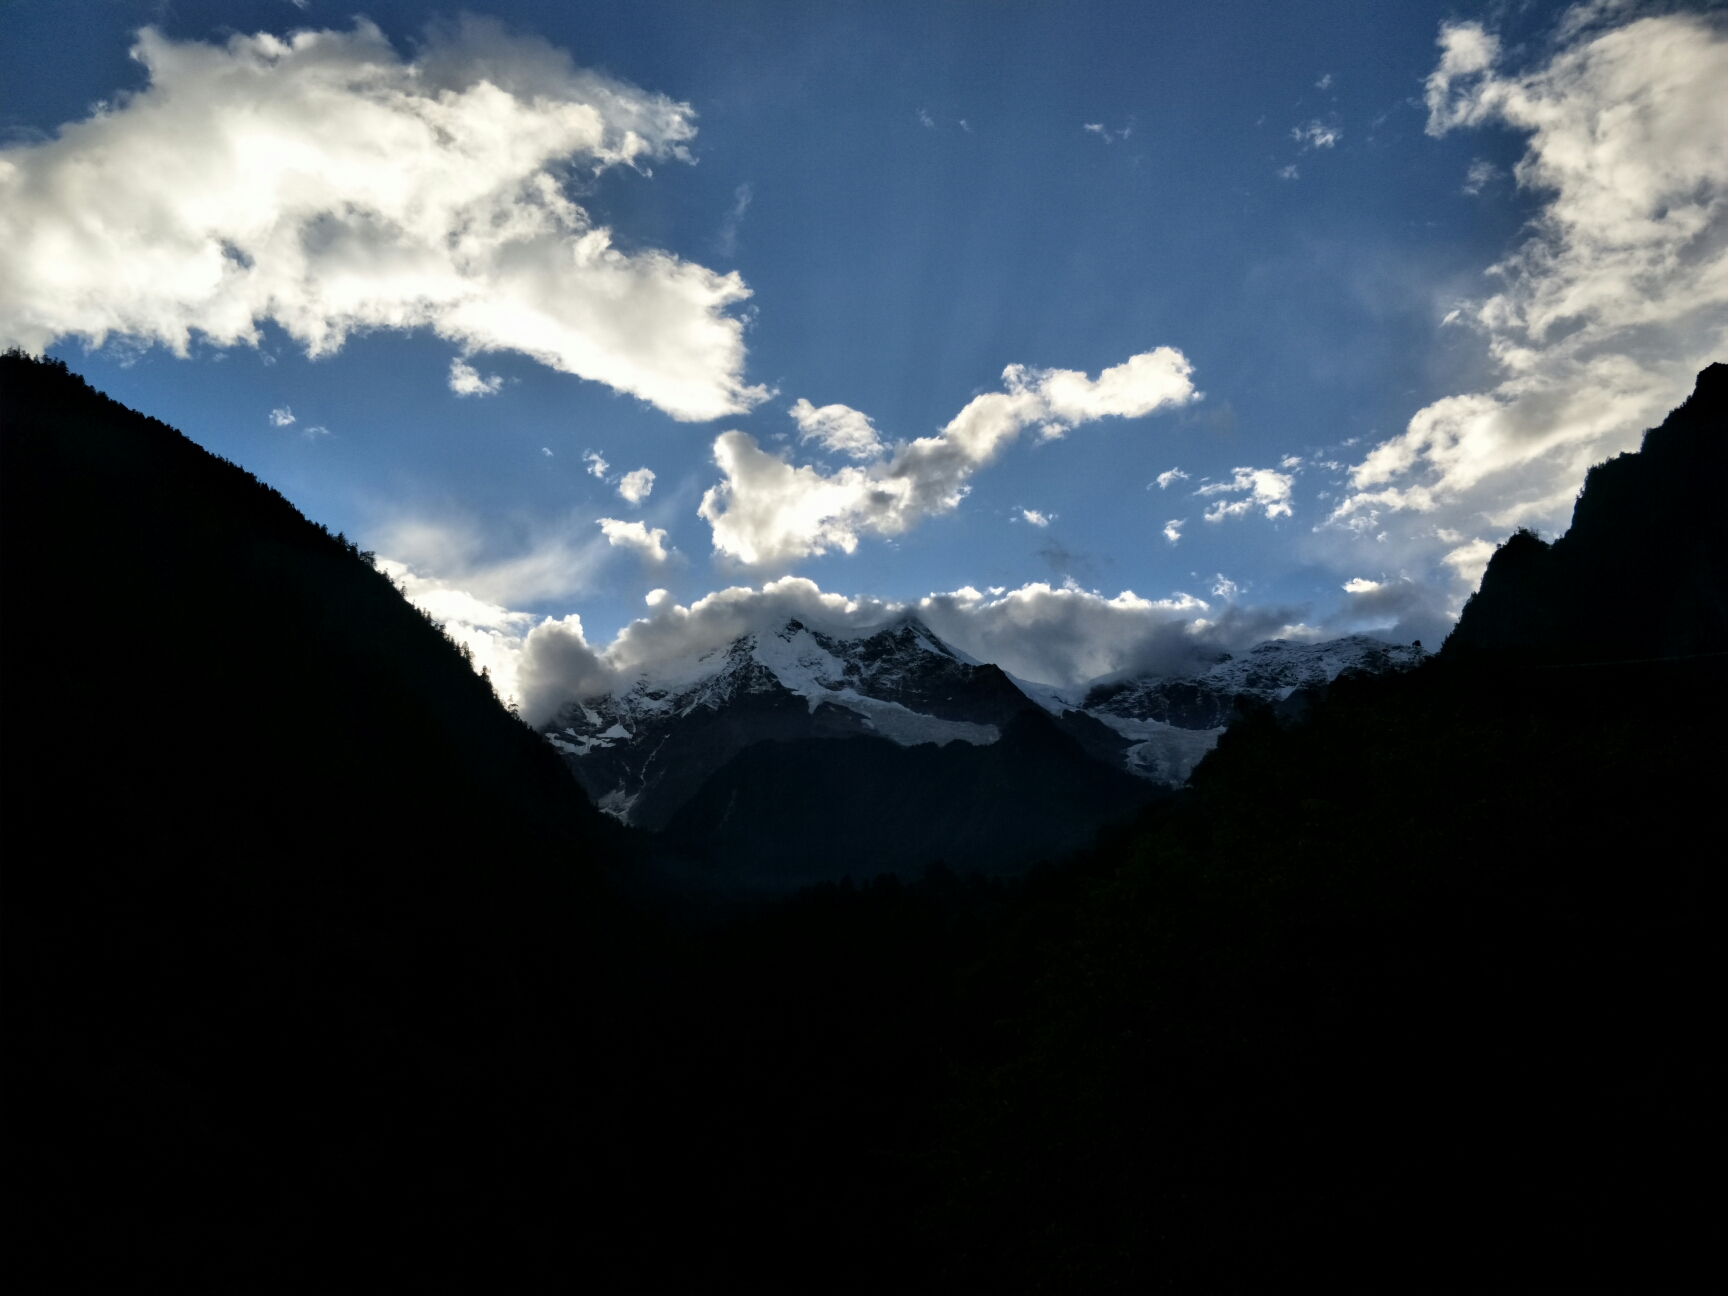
(1302, 202)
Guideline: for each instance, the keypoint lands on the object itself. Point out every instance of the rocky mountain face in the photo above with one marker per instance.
(643, 751)
(647, 751)
(1637, 575)
(1167, 723)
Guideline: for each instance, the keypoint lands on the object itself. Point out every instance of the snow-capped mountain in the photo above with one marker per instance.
(645, 750)
(1171, 721)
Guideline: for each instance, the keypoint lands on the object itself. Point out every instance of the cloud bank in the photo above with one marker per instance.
(1064, 636)
(770, 511)
(1605, 313)
(325, 183)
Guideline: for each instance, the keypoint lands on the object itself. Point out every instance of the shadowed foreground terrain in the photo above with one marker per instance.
(316, 973)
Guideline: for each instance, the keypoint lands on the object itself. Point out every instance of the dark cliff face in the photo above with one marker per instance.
(1643, 570)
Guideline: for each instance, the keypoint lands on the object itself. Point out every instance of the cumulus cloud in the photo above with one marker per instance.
(465, 380)
(1036, 518)
(1173, 529)
(636, 486)
(768, 510)
(325, 183)
(597, 467)
(283, 417)
(1606, 311)
(1265, 488)
(1173, 475)
(839, 428)
(1057, 635)
(636, 537)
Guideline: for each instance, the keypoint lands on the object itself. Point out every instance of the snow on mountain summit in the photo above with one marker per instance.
(645, 748)
(638, 748)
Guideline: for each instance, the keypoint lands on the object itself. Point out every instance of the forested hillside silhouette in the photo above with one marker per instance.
(295, 913)
(314, 975)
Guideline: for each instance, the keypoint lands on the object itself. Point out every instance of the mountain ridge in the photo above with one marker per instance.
(644, 750)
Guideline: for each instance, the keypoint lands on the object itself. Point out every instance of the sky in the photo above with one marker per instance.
(1095, 335)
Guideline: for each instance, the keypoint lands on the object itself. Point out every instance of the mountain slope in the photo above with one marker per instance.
(643, 751)
(1406, 989)
(791, 813)
(1643, 569)
(285, 887)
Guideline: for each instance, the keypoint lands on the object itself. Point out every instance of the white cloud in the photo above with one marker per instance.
(924, 117)
(597, 466)
(636, 486)
(1289, 173)
(634, 536)
(1173, 529)
(323, 182)
(490, 631)
(1480, 173)
(1400, 609)
(1316, 135)
(838, 428)
(1036, 518)
(1266, 489)
(465, 380)
(769, 511)
(557, 561)
(1225, 588)
(1324, 83)
(283, 417)
(1605, 312)
(1470, 560)
(315, 431)
(1061, 636)
(1173, 475)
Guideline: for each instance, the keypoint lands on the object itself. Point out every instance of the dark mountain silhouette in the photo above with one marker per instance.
(313, 978)
(782, 814)
(1407, 990)
(1643, 570)
(286, 890)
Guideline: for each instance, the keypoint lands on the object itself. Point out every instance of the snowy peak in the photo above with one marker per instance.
(1270, 672)
(643, 750)
(640, 750)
